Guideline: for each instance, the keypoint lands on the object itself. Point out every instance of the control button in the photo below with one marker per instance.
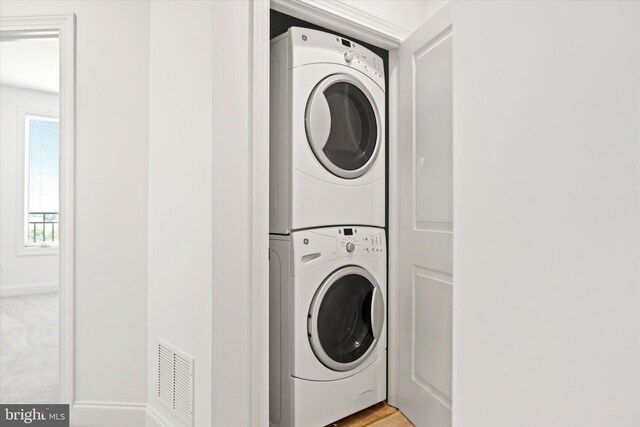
(348, 56)
(350, 246)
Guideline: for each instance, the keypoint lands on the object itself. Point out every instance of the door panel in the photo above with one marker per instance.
(425, 263)
(343, 126)
(434, 154)
(432, 334)
(344, 320)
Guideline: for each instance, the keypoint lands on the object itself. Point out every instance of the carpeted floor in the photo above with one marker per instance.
(29, 348)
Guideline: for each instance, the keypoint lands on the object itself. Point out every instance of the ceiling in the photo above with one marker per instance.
(30, 63)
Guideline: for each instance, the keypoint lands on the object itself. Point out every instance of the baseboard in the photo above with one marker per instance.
(156, 419)
(108, 414)
(120, 414)
(28, 288)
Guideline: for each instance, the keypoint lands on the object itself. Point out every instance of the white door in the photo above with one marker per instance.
(426, 223)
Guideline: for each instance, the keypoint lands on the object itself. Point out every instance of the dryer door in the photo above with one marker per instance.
(343, 126)
(346, 318)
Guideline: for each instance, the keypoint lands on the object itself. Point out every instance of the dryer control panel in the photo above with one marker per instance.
(314, 47)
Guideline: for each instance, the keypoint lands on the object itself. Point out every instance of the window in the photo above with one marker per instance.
(42, 147)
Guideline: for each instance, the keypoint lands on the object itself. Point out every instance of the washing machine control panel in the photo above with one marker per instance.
(315, 246)
(360, 241)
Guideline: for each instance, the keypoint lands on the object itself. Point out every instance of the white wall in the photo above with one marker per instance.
(147, 129)
(180, 192)
(199, 171)
(232, 218)
(20, 272)
(547, 214)
(112, 97)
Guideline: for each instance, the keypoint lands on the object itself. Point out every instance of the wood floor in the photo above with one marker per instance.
(380, 415)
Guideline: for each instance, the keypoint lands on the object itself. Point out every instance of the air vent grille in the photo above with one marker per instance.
(175, 381)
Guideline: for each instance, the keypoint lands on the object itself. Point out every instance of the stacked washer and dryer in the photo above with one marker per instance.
(327, 255)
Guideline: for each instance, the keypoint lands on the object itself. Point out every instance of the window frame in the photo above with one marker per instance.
(23, 248)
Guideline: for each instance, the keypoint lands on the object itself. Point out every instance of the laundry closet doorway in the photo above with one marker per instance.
(419, 195)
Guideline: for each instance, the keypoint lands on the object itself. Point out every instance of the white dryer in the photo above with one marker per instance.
(327, 325)
(327, 132)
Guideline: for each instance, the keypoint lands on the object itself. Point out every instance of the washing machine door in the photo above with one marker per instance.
(345, 318)
(343, 126)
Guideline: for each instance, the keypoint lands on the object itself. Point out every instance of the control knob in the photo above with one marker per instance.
(350, 247)
(348, 56)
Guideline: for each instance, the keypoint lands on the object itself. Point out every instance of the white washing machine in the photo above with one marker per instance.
(327, 325)
(327, 132)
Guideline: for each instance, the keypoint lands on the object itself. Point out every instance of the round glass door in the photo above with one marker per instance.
(345, 318)
(343, 126)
